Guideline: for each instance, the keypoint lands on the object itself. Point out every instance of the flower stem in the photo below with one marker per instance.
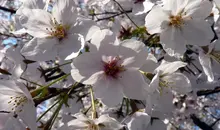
(65, 64)
(61, 102)
(31, 82)
(61, 78)
(37, 91)
(38, 119)
(93, 104)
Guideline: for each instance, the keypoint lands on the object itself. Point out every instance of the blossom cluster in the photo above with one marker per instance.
(87, 59)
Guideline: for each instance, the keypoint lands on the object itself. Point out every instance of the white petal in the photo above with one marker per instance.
(13, 124)
(29, 46)
(33, 4)
(77, 125)
(37, 21)
(87, 68)
(176, 6)
(80, 41)
(15, 56)
(178, 82)
(64, 127)
(64, 12)
(80, 117)
(92, 30)
(9, 85)
(206, 65)
(197, 32)
(3, 117)
(110, 123)
(154, 85)
(109, 49)
(24, 89)
(20, 31)
(139, 121)
(83, 26)
(173, 39)
(100, 37)
(148, 5)
(100, 88)
(104, 42)
(154, 19)
(133, 84)
(198, 9)
(28, 115)
(40, 49)
(170, 67)
(150, 64)
(5, 98)
(111, 93)
(133, 44)
(69, 46)
(133, 53)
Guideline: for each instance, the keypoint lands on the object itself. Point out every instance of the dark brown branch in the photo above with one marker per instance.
(122, 10)
(104, 13)
(107, 18)
(217, 120)
(208, 92)
(8, 10)
(202, 125)
(12, 35)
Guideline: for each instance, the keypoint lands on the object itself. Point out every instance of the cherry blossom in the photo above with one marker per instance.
(54, 33)
(180, 22)
(109, 65)
(168, 77)
(206, 54)
(104, 122)
(16, 99)
(112, 65)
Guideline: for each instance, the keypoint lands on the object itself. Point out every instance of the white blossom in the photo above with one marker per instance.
(56, 34)
(13, 62)
(164, 82)
(206, 55)
(139, 121)
(104, 122)
(113, 64)
(180, 22)
(16, 99)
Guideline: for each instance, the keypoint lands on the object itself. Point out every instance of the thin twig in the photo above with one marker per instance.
(8, 10)
(106, 18)
(122, 10)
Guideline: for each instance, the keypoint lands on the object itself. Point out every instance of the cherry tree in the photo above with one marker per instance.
(109, 65)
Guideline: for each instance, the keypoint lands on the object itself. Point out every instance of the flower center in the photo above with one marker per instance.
(176, 21)
(112, 68)
(59, 31)
(17, 102)
(92, 127)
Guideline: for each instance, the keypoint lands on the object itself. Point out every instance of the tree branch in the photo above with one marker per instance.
(106, 18)
(7, 10)
(104, 13)
(202, 125)
(208, 92)
(122, 10)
